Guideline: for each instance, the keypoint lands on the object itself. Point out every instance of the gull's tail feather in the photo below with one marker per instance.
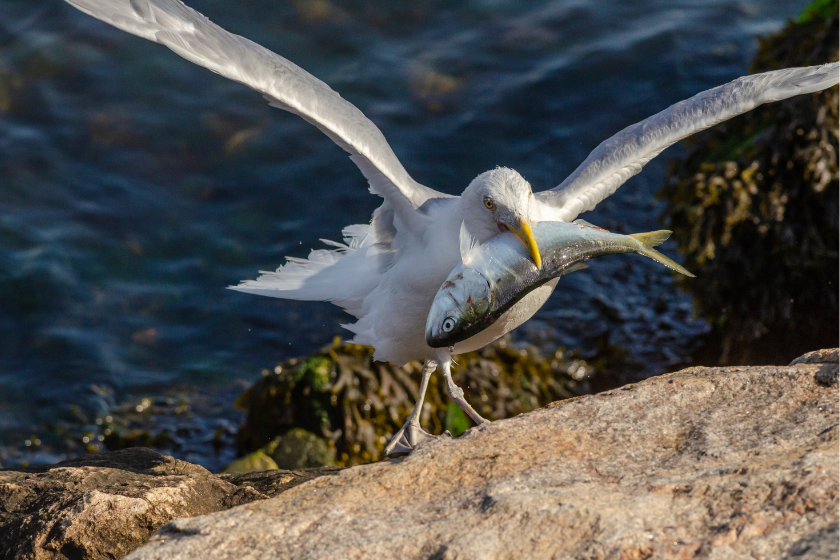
(344, 275)
(650, 240)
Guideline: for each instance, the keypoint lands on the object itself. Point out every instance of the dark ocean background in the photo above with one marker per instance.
(135, 186)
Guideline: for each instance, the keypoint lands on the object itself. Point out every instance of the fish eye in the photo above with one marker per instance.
(448, 324)
(488, 203)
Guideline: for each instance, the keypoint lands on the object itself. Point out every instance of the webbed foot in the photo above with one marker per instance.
(408, 438)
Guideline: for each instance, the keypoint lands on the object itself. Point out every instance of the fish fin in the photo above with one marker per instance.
(468, 243)
(574, 268)
(584, 223)
(650, 240)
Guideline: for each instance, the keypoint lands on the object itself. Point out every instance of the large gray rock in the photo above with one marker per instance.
(721, 463)
(108, 504)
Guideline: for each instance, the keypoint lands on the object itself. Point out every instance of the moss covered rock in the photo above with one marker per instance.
(296, 449)
(356, 404)
(754, 208)
(300, 449)
(255, 461)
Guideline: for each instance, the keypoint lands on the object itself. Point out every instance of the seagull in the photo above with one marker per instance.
(386, 273)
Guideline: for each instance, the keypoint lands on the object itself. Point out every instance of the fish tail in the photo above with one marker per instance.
(651, 239)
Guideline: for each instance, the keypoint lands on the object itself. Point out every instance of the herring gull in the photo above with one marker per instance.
(386, 273)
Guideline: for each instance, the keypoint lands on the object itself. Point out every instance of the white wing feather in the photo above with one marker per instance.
(617, 159)
(285, 85)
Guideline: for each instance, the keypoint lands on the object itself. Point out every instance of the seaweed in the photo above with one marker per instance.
(356, 404)
(754, 208)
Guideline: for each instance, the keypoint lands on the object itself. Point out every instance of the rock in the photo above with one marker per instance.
(721, 463)
(252, 462)
(299, 449)
(827, 373)
(107, 504)
(829, 356)
(754, 209)
(272, 483)
(296, 449)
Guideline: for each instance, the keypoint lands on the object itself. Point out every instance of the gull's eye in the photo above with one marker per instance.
(448, 324)
(488, 203)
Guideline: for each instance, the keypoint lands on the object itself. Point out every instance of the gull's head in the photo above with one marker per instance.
(497, 201)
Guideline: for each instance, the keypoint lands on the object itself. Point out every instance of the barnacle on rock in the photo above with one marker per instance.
(754, 208)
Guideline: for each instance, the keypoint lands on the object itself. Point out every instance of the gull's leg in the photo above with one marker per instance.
(411, 433)
(457, 394)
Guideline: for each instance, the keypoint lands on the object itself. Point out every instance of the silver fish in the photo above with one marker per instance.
(494, 276)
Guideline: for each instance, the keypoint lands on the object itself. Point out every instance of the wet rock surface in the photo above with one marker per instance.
(107, 504)
(734, 462)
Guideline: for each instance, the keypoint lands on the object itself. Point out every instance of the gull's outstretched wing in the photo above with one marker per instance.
(617, 159)
(285, 85)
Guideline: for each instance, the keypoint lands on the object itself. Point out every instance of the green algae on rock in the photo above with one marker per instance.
(295, 450)
(818, 9)
(300, 449)
(256, 461)
(356, 404)
(754, 208)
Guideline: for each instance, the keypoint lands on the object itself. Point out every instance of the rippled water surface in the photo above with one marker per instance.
(136, 186)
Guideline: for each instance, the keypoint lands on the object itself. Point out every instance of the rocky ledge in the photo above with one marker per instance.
(722, 463)
(107, 504)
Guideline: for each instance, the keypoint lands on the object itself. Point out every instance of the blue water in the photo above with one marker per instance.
(136, 186)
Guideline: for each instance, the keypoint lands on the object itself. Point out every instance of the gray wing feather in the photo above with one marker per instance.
(622, 156)
(285, 85)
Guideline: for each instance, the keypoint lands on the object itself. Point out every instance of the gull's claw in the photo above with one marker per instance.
(408, 438)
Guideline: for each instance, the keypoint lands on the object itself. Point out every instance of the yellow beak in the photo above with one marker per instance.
(526, 236)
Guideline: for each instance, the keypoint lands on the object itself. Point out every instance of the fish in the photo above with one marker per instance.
(494, 276)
